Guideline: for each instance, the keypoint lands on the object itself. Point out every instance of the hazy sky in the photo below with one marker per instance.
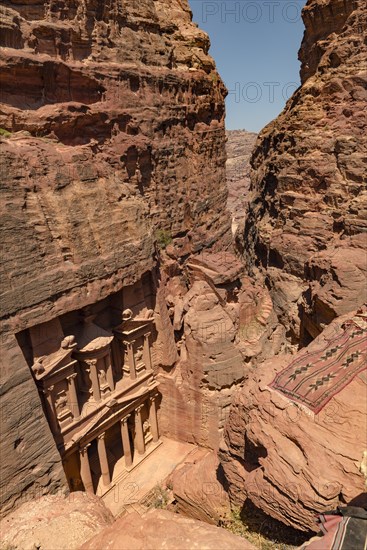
(255, 45)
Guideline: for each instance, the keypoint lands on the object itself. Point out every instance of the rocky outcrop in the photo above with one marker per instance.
(83, 521)
(160, 529)
(198, 490)
(223, 323)
(286, 460)
(306, 225)
(112, 140)
(240, 144)
(57, 522)
(104, 127)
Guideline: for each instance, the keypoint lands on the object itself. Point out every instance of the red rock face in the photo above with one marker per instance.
(240, 144)
(56, 521)
(222, 323)
(112, 117)
(307, 221)
(287, 461)
(118, 137)
(161, 530)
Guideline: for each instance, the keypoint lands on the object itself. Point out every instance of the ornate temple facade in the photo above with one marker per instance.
(99, 393)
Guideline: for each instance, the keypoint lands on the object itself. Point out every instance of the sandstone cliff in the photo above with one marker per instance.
(305, 238)
(112, 137)
(240, 144)
(285, 459)
(306, 224)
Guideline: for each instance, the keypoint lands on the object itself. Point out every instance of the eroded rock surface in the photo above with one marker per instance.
(288, 461)
(240, 144)
(198, 490)
(55, 522)
(306, 226)
(223, 323)
(112, 118)
(164, 530)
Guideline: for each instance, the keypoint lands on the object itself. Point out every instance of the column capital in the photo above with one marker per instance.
(125, 418)
(83, 448)
(128, 343)
(153, 397)
(147, 334)
(102, 435)
(139, 407)
(71, 377)
(91, 362)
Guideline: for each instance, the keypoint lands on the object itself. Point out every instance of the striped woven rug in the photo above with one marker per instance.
(314, 378)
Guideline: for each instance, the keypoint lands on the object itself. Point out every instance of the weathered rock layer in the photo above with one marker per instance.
(307, 221)
(240, 144)
(112, 137)
(288, 461)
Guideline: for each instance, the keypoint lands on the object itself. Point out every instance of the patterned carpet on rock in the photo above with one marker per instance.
(313, 378)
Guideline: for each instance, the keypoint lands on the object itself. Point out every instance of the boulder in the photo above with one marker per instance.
(287, 460)
(160, 529)
(198, 490)
(55, 522)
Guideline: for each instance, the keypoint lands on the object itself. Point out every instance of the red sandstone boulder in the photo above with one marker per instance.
(160, 529)
(287, 460)
(199, 492)
(55, 522)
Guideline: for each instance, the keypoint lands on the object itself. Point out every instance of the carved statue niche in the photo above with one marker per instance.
(94, 353)
(55, 375)
(146, 425)
(133, 337)
(139, 356)
(61, 403)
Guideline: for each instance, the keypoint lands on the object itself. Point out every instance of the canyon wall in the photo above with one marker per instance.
(305, 237)
(240, 144)
(112, 146)
(287, 460)
(306, 225)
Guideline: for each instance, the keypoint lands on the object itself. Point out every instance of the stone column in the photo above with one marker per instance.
(153, 418)
(109, 372)
(85, 472)
(73, 396)
(51, 411)
(126, 441)
(147, 356)
(102, 455)
(94, 378)
(130, 351)
(139, 434)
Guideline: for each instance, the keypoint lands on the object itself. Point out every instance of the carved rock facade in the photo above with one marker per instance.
(113, 140)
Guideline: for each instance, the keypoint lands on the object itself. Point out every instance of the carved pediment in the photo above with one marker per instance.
(48, 366)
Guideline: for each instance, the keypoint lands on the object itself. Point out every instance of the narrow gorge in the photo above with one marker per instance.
(183, 308)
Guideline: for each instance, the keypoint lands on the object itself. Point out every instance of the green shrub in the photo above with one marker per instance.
(159, 497)
(4, 133)
(163, 238)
